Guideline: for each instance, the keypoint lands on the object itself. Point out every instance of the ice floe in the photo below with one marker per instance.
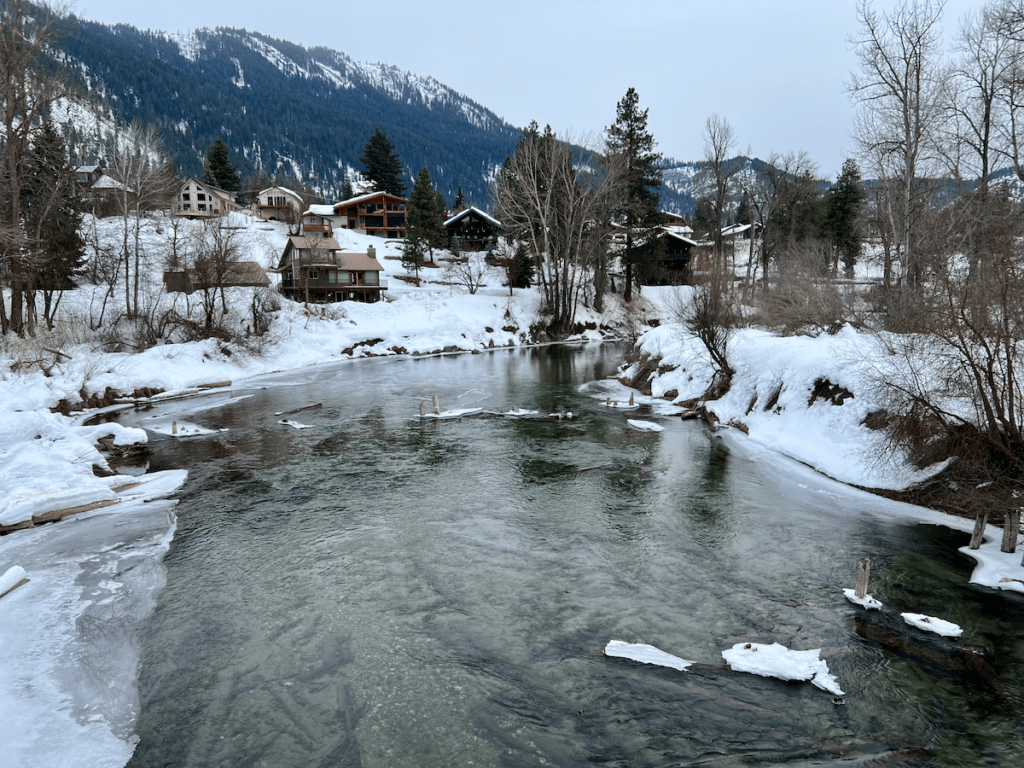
(645, 654)
(777, 660)
(932, 624)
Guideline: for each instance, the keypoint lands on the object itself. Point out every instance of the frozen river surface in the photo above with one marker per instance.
(378, 590)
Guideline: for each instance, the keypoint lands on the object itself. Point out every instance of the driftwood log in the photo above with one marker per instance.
(979, 529)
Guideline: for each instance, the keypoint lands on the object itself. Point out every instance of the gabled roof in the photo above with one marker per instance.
(222, 193)
(361, 262)
(283, 189)
(363, 198)
(481, 214)
(314, 243)
(734, 229)
(87, 169)
(676, 236)
(107, 182)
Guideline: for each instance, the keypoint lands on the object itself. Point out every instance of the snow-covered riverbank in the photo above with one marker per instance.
(92, 576)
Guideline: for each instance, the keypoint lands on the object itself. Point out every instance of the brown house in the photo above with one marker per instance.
(375, 213)
(313, 269)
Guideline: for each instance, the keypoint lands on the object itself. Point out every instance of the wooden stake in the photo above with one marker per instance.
(980, 521)
(631, 399)
(423, 407)
(1011, 527)
(863, 575)
(437, 408)
(174, 427)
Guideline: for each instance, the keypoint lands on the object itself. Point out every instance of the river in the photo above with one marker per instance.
(382, 591)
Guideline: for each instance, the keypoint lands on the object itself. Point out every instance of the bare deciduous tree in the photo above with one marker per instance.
(717, 176)
(558, 203)
(899, 90)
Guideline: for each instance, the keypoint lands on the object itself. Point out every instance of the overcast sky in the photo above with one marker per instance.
(776, 71)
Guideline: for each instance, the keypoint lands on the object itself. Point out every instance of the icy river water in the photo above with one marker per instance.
(381, 591)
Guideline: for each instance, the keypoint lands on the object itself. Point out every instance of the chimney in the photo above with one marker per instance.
(371, 252)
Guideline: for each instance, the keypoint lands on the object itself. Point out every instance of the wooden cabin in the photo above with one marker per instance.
(313, 269)
(676, 255)
(474, 228)
(375, 213)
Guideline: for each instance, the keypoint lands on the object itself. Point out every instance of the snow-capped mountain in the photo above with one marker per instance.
(285, 108)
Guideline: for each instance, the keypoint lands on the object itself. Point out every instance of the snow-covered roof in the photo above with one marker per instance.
(735, 229)
(680, 229)
(87, 169)
(283, 189)
(107, 182)
(681, 238)
(319, 210)
(482, 215)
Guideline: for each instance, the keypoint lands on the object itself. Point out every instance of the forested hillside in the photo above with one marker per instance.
(283, 108)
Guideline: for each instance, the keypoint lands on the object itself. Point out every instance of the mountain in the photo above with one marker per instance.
(284, 108)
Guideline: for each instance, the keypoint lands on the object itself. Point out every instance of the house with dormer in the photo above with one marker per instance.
(314, 269)
(278, 204)
(473, 228)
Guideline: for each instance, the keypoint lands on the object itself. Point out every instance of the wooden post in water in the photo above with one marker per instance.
(863, 575)
(174, 427)
(423, 407)
(1011, 527)
(437, 408)
(631, 399)
(980, 521)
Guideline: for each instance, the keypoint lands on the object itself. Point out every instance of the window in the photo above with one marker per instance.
(200, 196)
(201, 207)
(332, 276)
(342, 275)
(185, 196)
(187, 207)
(371, 278)
(314, 275)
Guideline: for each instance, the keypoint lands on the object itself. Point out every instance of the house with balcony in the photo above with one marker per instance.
(197, 200)
(313, 269)
(375, 213)
(278, 204)
(474, 228)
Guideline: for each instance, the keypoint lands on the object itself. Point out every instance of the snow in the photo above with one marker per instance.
(645, 654)
(455, 413)
(11, 578)
(295, 424)
(932, 624)
(645, 426)
(69, 659)
(777, 660)
(181, 429)
(865, 602)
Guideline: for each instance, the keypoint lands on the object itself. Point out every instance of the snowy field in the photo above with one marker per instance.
(91, 578)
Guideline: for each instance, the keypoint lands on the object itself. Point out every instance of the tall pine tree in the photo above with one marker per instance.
(842, 211)
(424, 220)
(383, 168)
(218, 170)
(51, 213)
(630, 143)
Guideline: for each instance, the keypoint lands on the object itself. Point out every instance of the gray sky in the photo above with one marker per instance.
(776, 71)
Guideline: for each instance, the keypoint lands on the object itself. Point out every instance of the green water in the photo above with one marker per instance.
(381, 591)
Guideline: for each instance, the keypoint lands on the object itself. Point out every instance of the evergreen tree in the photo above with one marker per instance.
(218, 170)
(460, 201)
(842, 209)
(423, 219)
(520, 270)
(51, 213)
(632, 144)
(383, 168)
(413, 251)
(347, 193)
